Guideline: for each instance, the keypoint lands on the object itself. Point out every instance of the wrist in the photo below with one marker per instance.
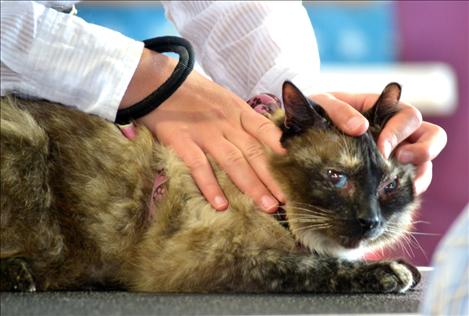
(152, 71)
(144, 79)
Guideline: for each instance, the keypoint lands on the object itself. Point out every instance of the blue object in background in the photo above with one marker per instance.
(350, 32)
(346, 32)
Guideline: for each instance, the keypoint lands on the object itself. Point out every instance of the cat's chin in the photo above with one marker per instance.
(325, 246)
(350, 243)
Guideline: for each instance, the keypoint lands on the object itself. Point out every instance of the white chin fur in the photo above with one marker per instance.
(324, 246)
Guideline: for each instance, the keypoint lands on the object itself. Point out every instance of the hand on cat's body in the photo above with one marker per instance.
(202, 118)
(409, 138)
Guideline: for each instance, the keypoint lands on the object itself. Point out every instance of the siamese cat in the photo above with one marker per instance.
(78, 208)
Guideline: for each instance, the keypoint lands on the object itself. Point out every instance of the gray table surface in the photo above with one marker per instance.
(124, 303)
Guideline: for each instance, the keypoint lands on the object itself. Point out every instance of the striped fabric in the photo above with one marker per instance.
(249, 47)
(60, 57)
(447, 292)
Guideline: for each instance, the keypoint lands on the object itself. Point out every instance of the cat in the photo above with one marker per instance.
(77, 208)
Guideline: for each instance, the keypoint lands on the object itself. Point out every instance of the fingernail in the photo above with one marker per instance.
(269, 203)
(354, 123)
(405, 156)
(220, 203)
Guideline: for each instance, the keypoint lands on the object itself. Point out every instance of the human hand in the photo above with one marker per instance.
(409, 138)
(202, 118)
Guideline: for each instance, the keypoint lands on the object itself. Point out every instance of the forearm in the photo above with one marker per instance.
(152, 71)
(59, 57)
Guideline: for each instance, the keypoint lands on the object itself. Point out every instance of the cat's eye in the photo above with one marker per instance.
(338, 179)
(391, 186)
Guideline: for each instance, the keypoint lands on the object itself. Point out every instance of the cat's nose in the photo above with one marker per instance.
(369, 226)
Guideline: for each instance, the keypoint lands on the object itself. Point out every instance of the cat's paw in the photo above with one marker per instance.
(16, 276)
(395, 276)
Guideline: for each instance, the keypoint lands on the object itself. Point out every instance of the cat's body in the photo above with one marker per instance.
(76, 211)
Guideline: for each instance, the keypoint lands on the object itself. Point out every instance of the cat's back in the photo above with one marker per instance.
(73, 188)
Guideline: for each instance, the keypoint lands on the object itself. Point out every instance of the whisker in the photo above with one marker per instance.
(409, 244)
(419, 246)
(403, 248)
(305, 213)
(310, 216)
(421, 222)
(409, 239)
(317, 225)
(301, 220)
(311, 205)
(322, 226)
(308, 211)
(310, 227)
(397, 230)
(423, 234)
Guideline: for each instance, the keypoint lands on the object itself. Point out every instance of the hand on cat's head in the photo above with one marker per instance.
(405, 135)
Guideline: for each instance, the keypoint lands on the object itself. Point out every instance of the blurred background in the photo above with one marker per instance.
(424, 45)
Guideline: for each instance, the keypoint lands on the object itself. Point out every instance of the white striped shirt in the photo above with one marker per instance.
(248, 47)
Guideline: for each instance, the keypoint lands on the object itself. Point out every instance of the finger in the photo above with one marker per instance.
(423, 177)
(202, 172)
(232, 161)
(425, 144)
(344, 116)
(359, 101)
(262, 129)
(399, 127)
(255, 155)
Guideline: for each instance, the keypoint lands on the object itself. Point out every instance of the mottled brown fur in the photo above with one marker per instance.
(74, 211)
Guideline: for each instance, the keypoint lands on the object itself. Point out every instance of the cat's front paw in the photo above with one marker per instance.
(394, 276)
(15, 275)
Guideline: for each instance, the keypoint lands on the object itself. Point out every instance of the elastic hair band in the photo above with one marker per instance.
(183, 68)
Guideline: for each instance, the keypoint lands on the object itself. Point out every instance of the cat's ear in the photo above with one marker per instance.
(385, 107)
(300, 112)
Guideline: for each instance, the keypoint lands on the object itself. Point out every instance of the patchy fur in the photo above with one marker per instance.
(74, 208)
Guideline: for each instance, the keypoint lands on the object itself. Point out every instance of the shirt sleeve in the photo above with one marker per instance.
(60, 57)
(250, 46)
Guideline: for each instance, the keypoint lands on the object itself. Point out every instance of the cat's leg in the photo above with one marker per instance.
(326, 275)
(15, 275)
(270, 271)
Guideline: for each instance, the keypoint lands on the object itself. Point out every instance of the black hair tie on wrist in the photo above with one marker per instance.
(184, 67)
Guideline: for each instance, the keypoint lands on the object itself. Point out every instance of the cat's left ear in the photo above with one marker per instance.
(385, 107)
(300, 113)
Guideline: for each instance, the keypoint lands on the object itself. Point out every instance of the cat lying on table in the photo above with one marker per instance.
(78, 208)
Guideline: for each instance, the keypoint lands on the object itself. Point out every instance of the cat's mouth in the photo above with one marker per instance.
(351, 238)
(360, 239)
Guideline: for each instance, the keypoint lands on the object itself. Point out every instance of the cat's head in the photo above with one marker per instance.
(343, 197)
